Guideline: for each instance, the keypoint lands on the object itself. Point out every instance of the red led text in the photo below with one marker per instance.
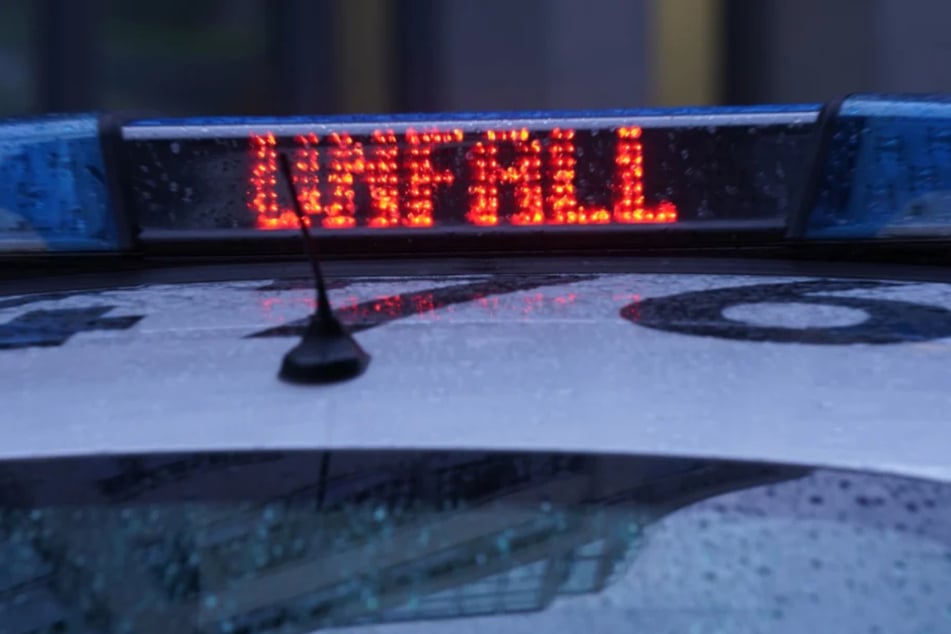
(539, 176)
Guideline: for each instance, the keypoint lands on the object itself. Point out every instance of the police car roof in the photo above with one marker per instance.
(810, 370)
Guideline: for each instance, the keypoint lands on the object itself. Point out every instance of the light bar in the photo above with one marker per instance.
(673, 168)
(54, 191)
(883, 170)
(871, 166)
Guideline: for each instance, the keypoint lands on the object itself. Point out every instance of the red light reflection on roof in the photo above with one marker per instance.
(403, 180)
(356, 310)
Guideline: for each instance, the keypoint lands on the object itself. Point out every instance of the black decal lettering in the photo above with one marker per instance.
(55, 327)
(301, 283)
(701, 313)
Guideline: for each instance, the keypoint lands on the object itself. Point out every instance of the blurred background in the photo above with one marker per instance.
(212, 57)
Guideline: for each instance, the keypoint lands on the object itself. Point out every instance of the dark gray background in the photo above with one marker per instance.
(329, 56)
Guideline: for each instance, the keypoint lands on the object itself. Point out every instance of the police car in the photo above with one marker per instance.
(666, 371)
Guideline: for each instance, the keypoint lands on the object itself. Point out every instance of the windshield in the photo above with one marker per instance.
(299, 542)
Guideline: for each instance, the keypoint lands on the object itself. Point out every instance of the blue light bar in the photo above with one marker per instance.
(85, 183)
(54, 192)
(883, 169)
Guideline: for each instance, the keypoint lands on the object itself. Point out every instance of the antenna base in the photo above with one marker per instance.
(327, 353)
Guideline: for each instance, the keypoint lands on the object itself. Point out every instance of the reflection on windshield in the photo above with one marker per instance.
(295, 542)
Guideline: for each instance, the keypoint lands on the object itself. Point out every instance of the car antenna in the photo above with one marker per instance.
(327, 352)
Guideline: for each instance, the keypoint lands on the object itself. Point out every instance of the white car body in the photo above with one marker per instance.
(554, 367)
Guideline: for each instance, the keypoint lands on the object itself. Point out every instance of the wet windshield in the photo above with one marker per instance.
(299, 542)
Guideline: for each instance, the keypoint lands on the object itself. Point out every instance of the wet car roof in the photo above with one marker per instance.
(845, 373)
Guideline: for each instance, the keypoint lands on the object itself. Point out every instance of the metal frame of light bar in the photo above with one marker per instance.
(114, 130)
(455, 240)
(168, 130)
